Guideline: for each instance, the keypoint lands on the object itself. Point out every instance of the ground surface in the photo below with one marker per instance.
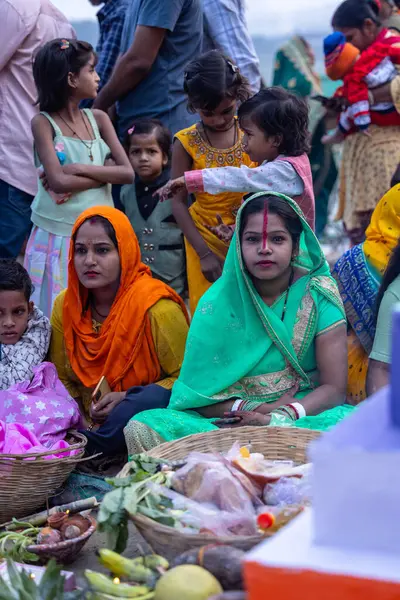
(87, 558)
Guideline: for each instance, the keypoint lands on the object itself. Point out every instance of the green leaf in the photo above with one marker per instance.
(52, 582)
(112, 501)
(122, 538)
(131, 500)
(13, 574)
(151, 468)
(111, 506)
(122, 482)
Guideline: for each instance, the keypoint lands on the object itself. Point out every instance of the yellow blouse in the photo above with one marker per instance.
(169, 329)
(205, 209)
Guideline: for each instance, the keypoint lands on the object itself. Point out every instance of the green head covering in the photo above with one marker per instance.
(233, 330)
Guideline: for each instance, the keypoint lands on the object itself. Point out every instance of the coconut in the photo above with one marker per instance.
(224, 562)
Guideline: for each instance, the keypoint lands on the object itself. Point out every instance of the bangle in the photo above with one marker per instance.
(287, 411)
(205, 255)
(246, 405)
(236, 405)
(299, 409)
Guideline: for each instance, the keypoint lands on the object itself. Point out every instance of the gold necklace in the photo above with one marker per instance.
(235, 125)
(88, 146)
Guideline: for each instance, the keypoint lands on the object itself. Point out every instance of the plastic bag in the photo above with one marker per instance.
(208, 478)
(17, 439)
(42, 405)
(196, 517)
(288, 491)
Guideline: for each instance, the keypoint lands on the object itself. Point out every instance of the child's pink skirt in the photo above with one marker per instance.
(46, 260)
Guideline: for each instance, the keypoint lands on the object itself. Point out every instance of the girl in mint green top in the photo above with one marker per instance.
(72, 146)
(267, 344)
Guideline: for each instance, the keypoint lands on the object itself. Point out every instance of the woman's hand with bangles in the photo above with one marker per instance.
(235, 419)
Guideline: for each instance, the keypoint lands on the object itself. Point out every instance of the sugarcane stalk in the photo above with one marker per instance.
(41, 517)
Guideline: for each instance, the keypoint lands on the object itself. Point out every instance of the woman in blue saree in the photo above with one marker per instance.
(359, 274)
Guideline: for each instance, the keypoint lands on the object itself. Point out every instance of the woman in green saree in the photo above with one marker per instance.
(267, 344)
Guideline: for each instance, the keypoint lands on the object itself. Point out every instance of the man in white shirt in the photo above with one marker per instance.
(225, 29)
(25, 26)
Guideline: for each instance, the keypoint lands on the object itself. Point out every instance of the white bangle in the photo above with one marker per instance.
(236, 405)
(299, 408)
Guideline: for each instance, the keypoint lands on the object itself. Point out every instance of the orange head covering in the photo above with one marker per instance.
(124, 349)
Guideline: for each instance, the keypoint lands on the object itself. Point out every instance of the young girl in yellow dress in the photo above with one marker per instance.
(215, 88)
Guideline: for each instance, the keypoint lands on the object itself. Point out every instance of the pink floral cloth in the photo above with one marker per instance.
(17, 439)
(42, 406)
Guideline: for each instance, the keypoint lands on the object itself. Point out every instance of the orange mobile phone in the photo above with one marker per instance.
(101, 389)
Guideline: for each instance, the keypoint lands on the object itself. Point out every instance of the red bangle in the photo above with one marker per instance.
(292, 406)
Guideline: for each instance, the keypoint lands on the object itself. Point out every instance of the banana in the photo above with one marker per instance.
(133, 569)
(100, 583)
(155, 562)
(100, 596)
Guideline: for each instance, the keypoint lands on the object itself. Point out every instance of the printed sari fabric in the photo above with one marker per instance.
(358, 274)
(240, 348)
(206, 207)
(294, 72)
(368, 165)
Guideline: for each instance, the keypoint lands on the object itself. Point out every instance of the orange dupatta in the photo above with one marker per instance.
(124, 349)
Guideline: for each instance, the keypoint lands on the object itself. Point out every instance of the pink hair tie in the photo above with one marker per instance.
(64, 45)
(131, 130)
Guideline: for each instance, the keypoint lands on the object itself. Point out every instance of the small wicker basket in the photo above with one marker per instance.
(64, 552)
(27, 480)
(276, 443)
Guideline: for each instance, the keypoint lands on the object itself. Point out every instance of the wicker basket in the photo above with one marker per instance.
(27, 480)
(276, 443)
(64, 552)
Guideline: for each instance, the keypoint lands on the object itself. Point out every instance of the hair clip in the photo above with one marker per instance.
(234, 68)
(64, 45)
(131, 130)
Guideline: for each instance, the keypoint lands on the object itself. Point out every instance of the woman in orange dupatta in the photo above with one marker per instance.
(115, 320)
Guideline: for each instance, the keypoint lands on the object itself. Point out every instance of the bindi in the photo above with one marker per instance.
(265, 227)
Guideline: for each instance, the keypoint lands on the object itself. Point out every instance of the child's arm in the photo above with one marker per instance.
(274, 176)
(210, 264)
(121, 172)
(59, 181)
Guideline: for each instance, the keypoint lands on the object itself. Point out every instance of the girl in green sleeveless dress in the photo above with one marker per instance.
(267, 344)
(71, 146)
